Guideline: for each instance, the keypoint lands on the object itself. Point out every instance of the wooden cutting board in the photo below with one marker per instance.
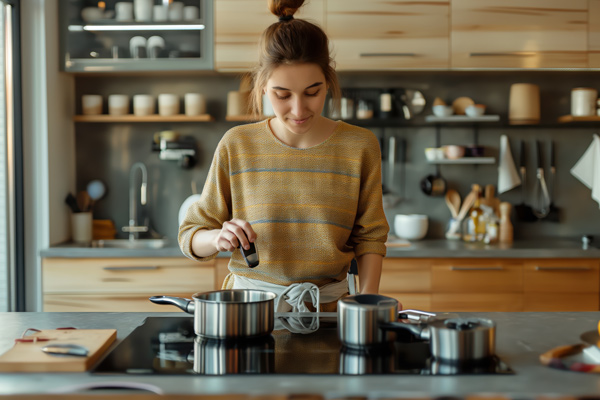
(29, 357)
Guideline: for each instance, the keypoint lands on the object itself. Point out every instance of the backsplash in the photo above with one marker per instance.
(106, 151)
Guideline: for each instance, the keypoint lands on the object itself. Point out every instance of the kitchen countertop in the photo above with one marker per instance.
(546, 248)
(521, 338)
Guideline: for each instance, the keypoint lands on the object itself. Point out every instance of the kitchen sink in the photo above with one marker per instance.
(131, 244)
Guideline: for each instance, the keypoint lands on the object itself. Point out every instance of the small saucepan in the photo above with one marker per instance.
(361, 316)
(369, 320)
(228, 314)
(433, 185)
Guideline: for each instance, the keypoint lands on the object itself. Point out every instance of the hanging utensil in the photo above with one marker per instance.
(542, 197)
(390, 199)
(554, 213)
(524, 212)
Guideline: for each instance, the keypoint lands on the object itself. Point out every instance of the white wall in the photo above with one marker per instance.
(49, 156)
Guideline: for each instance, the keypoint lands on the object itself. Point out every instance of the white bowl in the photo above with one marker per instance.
(442, 111)
(475, 110)
(411, 226)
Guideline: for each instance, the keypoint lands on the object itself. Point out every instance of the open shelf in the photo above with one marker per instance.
(466, 160)
(244, 118)
(118, 26)
(570, 118)
(461, 118)
(146, 118)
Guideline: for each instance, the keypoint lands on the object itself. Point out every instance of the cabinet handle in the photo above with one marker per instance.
(388, 55)
(538, 268)
(505, 54)
(467, 268)
(130, 267)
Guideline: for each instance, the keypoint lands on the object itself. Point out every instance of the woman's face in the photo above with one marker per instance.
(297, 93)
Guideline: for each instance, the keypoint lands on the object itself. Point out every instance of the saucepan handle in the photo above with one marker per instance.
(416, 315)
(419, 330)
(186, 305)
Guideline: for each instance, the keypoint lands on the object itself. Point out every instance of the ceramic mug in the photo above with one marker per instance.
(124, 11)
(194, 104)
(91, 104)
(118, 104)
(168, 104)
(143, 104)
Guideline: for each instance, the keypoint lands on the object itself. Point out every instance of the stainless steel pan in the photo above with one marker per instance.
(367, 320)
(228, 314)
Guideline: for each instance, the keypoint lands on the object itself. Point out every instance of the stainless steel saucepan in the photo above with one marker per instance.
(369, 320)
(228, 314)
(361, 316)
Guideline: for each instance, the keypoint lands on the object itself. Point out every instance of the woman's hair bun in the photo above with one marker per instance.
(284, 8)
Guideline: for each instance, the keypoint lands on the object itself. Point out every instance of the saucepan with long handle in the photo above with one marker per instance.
(228, 314)
(367, 320)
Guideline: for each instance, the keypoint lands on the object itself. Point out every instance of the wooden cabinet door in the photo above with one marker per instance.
(562, 285)
(121, 284)
(477, 285)
(519, 34)
(388, 34)
(239, 25)
(594, 34)
(408, 281)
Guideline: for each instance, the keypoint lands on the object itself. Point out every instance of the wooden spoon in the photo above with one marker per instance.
(453, 202)
(466, 206)
(83, 201)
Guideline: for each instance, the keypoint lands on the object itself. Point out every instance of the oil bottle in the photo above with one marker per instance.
(473, 229)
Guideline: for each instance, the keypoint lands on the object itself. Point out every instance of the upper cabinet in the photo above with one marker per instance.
(594, 34)
(138, 35)
(520, 33)
(388, 34)
(240, 24)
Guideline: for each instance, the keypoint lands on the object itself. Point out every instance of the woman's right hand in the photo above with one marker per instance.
(234, 233)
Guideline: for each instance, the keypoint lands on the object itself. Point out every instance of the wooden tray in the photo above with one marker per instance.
(29, 357)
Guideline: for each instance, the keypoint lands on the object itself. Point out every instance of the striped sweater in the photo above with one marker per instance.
(313, 209)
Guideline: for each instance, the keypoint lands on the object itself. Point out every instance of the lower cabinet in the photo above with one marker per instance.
(493, 284)
(121, 284)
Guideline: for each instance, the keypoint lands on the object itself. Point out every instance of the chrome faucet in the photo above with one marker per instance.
(133, 228)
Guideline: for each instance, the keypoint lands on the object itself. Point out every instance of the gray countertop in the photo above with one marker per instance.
(548, 248)
(521, 338)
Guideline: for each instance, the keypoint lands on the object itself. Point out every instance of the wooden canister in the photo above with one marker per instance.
(506, 226)
(524, 104)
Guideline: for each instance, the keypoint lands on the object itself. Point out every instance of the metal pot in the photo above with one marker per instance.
(455, 340)
(228, 314)
(361, 316)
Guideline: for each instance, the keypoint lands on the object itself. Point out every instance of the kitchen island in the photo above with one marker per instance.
(521, 338)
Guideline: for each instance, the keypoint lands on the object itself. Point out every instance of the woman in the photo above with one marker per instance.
(306, 190)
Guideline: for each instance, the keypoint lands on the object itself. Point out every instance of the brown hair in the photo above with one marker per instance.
(292, 41)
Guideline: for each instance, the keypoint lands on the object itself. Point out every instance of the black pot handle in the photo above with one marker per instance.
(421, 331)
(186, 305)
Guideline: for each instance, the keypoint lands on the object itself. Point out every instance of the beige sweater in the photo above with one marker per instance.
(313, 210)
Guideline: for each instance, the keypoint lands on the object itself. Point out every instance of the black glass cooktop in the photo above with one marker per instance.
(298, 345)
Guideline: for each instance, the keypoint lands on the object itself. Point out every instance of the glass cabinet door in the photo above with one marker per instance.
(136, 35)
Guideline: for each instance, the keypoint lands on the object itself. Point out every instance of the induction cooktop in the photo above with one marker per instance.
(298, 345)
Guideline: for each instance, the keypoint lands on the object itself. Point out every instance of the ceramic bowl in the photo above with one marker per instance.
(442, 111)
(411, 226)
(453, 152)
(474, 151)
(476, 110)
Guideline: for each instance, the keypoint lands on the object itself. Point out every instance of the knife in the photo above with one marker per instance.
(66, 349)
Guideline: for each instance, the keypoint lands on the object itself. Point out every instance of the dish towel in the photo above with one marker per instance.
(508, 177)
(587, 169)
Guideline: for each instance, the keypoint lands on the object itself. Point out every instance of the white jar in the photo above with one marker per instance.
(118, 104)
(124, 11)
(194, 104)
(583, 102)
(142, 10)
(168, 104)
(143, 104)
(91, 104)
